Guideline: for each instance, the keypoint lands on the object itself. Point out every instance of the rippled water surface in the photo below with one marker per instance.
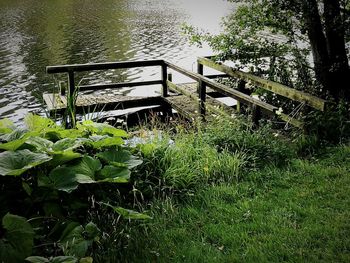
(38, 33)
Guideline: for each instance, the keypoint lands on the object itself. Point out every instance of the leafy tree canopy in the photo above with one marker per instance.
(301, 43)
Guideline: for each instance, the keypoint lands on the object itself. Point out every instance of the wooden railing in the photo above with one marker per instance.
(71, 69)
(203, 82)
(275, 87)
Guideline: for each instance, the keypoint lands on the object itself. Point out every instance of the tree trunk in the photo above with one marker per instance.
(339, 65)
(318, 42)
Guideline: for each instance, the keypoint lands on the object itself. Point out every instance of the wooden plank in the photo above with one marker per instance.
(119, 85)
(103, 66)
(190, 89)
(48, 99)
(53, 101)
(215, 76)
(106, 102)
(187, 73)
(295, 122)
(121, 104)
(275, 87)
(244, 98)
(215, 106)
(183, 105)
(63, 99)
(212, 104)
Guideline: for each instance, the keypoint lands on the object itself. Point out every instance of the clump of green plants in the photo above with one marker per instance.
(262, 146)
(183, 163)
(184, 160)
(52, 179)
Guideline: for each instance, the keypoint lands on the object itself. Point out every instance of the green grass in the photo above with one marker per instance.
(229, 193)
(296, 213)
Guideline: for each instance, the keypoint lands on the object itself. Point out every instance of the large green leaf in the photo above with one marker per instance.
(14, 135)
(114, 174)
(87, 166)
(38, 123)
(101, 129)
(39, 143)
(60, 178)
(15, 163)
(120, 157)
(17, 244)
(13, 145)
(66, 144)
(76, 240)
(6, 126)
(127, 213)
(63, 157)
(59, 259)
(86, 260)
(15, 139)
(69, 133)
(55, 134)
(99, 141)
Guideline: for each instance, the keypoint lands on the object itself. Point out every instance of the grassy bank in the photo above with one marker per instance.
(298, 213)
(222, 192)
(226, 193)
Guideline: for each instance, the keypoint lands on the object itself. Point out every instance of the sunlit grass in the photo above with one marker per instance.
(297, 213)
(228, 193)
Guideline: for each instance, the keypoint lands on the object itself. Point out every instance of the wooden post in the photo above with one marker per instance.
(167, 110)
(200, 72)
(62, 87)
(256, 114)
(240, 87)
(71, 84)
(170, 76)
(199, 68)
(164, 79)
(71, 100)
(201, 95)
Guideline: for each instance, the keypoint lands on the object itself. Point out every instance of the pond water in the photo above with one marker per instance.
(38, 33)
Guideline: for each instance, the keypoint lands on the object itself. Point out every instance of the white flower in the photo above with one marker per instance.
(279, 111)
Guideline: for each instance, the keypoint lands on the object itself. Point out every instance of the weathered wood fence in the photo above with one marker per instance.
(203, 83)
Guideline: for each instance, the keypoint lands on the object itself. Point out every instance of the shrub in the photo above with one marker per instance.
(51, 178)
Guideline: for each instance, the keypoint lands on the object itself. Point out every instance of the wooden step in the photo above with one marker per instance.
(184, 105)
(57, 102)
(213, 105)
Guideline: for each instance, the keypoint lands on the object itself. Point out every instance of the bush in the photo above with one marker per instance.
(51, 179)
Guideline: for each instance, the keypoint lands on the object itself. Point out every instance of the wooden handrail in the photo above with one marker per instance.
(278, 88)
(103, 66)
(244, 98)
(119, 85)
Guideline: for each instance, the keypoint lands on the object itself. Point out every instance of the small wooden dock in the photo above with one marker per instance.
(191, 100)
(56, 102)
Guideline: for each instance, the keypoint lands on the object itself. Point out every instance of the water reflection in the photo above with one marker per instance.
(37, 33)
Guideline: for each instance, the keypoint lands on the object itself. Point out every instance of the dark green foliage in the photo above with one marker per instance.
(53, 177)
(276, 39)
(80, 202)
(260, 146)
(332, 126)
(17, 242)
